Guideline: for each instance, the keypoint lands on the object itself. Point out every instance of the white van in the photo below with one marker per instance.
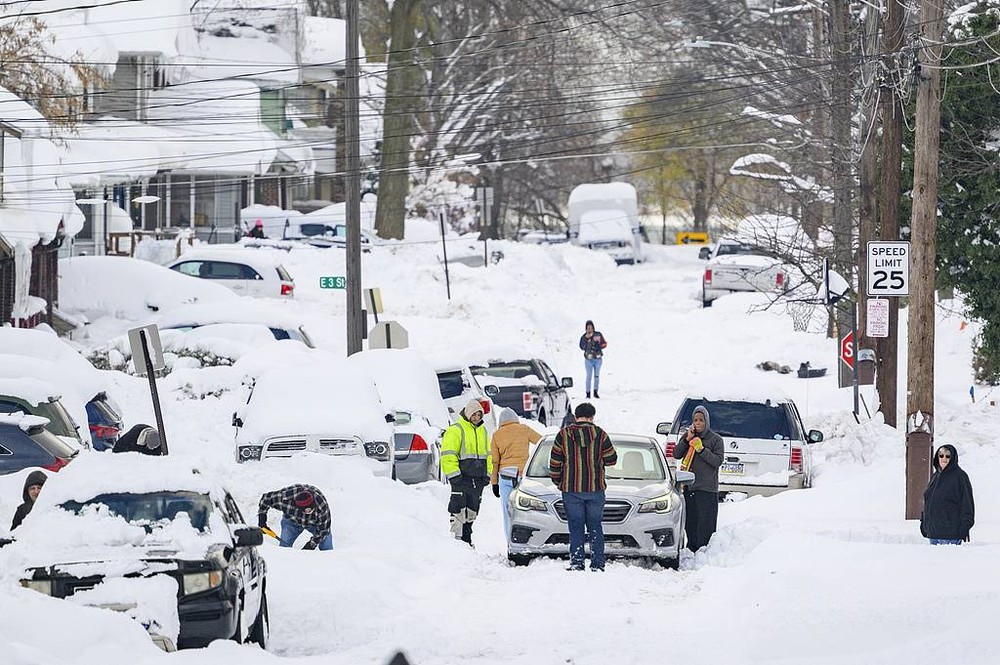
(766, 444)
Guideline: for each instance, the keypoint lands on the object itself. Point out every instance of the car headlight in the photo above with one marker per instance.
(525, 501)
(661, 504)
(198, 582)
(378, 450)
(41, 586)
(249, 453)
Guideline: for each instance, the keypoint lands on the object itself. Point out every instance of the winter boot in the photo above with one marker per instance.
(596, 396)
(588, 395)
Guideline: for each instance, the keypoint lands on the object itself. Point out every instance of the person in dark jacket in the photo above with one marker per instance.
(701, 498)
(579, 455)
(592, 343)
(140, 439)
(303, 508)
(949, 510)
(32, 486)
(257, 231)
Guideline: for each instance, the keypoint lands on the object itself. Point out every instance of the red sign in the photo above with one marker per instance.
(847, 349)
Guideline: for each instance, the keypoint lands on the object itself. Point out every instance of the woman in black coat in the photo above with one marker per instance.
(949, 511)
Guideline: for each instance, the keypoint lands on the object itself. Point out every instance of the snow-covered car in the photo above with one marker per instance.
(737, 266)
(457, 385)
(247, 273)
(35, 397)
(25, 443)
(102, 415)
(281, 323)
(407, 387)
(151, 538)
(643, 511)
(528, 385)
(327, 408)
(767, 446)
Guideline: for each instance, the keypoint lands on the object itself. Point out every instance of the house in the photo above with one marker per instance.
(37, 214)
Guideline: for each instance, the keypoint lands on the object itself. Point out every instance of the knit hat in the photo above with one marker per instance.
(304, 499)
(259, 224)
(471, 407)
(508, 415)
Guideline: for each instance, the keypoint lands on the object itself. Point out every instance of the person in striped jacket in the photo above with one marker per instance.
(579, 455)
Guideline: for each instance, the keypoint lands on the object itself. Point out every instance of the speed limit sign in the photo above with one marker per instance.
(888, 268)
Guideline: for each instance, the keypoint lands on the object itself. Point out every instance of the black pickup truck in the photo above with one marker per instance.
(529, 387)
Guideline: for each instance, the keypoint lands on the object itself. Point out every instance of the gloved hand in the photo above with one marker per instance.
(697, 444)
(266, 530)
(310, 544)
(496, 491)
(262, 520)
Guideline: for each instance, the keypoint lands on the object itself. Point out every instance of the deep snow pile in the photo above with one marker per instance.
(827, 575)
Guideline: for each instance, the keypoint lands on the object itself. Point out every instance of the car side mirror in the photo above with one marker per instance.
(815, 436)
(237, 421)
(567, 382)
(390, 418)
(491, 390)
(705, 253)
(249, 537)
(685, 477)
(663, 428)
(402, 417)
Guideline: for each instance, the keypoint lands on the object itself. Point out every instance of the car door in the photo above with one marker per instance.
(554, 396)
(255, 284)
(247, 561)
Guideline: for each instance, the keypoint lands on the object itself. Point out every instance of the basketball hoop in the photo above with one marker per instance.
(801, 312)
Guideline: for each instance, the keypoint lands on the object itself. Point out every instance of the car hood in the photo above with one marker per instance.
(636, 490)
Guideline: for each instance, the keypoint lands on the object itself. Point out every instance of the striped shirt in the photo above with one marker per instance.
(579, 455)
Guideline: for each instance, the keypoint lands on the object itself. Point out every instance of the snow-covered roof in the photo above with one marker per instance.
(324, 45)
(235, 310)
(112, 150)
(405, 381)
(249, 58)
(31, 390)
(608, 191)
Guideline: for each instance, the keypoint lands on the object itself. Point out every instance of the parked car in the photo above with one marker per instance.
(767, 446)
(324, 235)
(738, 266)
(406, 385)
(457, 385)
(328, 408)
(247, 273)
(115, 531)
(25, 443)
(102, 415)
(281, 323)
(643, 513)
(39, 398)
(528, 386)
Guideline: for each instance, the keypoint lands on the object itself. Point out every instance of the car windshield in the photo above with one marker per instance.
(744, 420)
(149, 508)
(511, 370)
(636, 461)
(734, 248)
(450, 384)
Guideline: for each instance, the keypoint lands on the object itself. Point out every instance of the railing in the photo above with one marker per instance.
(115, 238)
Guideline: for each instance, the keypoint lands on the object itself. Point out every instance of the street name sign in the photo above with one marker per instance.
(333, 282)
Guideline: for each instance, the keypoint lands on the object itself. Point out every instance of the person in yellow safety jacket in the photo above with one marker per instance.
(467, 464)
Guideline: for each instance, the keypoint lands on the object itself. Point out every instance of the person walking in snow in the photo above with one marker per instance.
(949, 510)
(303, 508)
(32, 487)
(467, 464)
(510, 453)
(579, 455)
(701, 498)
(592, 343)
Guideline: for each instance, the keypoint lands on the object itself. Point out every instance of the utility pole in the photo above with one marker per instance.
(923, 241)
(891, 191)
(352, 180)
(867, 172)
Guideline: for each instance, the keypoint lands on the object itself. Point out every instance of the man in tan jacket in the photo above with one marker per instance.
(510, 454)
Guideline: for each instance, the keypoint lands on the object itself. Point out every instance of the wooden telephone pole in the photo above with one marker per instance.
(923, 242)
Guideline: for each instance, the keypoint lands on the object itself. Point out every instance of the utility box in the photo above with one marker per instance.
(866, 367)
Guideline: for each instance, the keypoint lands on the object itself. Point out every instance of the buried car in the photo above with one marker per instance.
(643, 512)
(150, 538)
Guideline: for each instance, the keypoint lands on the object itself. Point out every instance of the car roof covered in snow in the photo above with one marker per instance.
(33, 391)
(405, 382)
(47, 347)
(240, 310)
(260, 261)
(22, 420)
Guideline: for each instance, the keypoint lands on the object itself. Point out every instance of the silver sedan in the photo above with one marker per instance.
(643, 513)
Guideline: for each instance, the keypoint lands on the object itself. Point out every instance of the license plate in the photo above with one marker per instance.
(732, 468)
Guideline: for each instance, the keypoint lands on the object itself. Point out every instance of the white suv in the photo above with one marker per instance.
(766, 444)
(248, 273)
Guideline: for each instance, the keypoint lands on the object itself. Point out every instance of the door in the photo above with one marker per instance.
(555, 395)
(229, 275)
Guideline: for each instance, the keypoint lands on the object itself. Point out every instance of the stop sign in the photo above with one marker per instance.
(847, 349)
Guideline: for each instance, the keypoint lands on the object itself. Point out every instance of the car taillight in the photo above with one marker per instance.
(670, 448)
(779, 280)
(527, 401)
(286, 289)
(795, 461)
(103, 431)
(485, 403)
(416, 444)
(56, 465)
(708, 276)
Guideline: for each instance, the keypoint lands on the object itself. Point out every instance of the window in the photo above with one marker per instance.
(511, 370)
(744, 420)
(149, 508)
(191, 268)
(4, 451)
(451, 384)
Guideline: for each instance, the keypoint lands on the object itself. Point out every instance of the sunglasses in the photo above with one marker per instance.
(944, 456)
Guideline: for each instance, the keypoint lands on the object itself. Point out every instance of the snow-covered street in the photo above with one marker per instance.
(826, 575)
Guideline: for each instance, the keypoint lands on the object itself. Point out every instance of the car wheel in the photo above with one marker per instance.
(705, 302)
(238, 633)
(667, 562)
(519, 559)
(260, 632)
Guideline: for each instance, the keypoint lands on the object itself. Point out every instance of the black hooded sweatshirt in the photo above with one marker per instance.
(34, 478)
(949, 511)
